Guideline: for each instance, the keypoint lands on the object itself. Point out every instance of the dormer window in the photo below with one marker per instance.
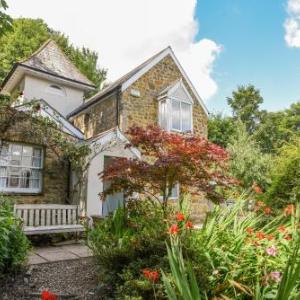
(175, 108)
(56, 90)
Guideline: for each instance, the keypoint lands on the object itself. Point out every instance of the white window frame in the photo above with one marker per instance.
(172, 197)
(19, 190)
(169, 113)
(167, 99)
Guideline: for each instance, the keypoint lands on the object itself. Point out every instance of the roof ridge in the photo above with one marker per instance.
(37, 51)
(127, 73)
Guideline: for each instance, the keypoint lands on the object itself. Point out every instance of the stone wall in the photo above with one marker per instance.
(55, 171)
(143, 110)
(98, 118)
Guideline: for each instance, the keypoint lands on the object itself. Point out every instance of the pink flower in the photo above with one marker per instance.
(271, 251)
(276, 276)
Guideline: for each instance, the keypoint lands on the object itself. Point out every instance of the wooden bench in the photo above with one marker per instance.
(48, 218)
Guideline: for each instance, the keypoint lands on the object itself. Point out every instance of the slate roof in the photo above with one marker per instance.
(49, 58)
(113, 86)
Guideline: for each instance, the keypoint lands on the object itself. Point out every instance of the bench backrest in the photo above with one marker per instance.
(47, 214)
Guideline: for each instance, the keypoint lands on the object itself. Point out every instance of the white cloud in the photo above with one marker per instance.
(126, 32)
(292, 24)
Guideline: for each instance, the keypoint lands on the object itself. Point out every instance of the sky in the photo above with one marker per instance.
(220, 43)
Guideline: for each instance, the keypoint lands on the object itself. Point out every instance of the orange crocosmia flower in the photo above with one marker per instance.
(151, 275)
(249, 230)
(256, 188)
(46, 295)
(289, 210)
(267, 210)
(288, 237)
(189, 225)
(179, 216)
(281, 229)
(174, 229)
(260, 235)
(154, 276)
(270, 237)
(255, 243)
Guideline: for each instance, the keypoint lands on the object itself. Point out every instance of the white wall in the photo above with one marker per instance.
(37, 88)
(94, 185)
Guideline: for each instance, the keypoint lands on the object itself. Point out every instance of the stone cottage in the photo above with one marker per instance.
(156, 92)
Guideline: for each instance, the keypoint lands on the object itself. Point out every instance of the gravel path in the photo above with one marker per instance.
(74, 279)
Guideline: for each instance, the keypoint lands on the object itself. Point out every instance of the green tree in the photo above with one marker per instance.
(29, 34)
(285, 175)
(277, 128)
(5, 19)
(247, 163)
(220, 129)
(244, 103)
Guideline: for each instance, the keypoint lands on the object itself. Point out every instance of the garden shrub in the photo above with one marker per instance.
(127, 242)
(247, 162)
(285, 175)
(246, 254)
(14, 245)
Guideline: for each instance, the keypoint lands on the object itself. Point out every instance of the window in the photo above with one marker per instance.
(178, 117)
(20, 168)
(175, 109)
(174, 193)
(56, 90)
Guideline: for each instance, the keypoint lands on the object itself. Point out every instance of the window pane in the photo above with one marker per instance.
(36, 162)
(163, 115)
(174, 192)
(37, 152)
(3, 172)
(27, 151)
(4, 150)
(175, 115)
(13, 182)
(3, 181)
(17, 168)
(186, 116)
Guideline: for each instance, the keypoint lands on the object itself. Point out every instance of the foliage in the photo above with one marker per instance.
(184, 278)
(166, 159)
(125, 244)
(247, 163)
(277, 128)
(220, 129)
(248, 253)
(29, 123)
(5, 19)
(14, 245)
(285, 175)
(27, 35)
(245, 103)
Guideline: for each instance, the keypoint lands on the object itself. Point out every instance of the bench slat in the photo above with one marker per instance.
(48, 218)
(43, 219)
(64, 216)
(58, 217)
(53, 211)
(31, 215)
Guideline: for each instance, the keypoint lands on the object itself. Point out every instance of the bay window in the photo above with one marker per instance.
(175, 109)
(20, 168)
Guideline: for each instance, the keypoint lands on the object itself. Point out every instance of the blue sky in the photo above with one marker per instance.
(237, 41)
(254, 50)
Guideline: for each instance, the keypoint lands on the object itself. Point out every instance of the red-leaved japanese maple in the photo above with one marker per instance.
(167, 159)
